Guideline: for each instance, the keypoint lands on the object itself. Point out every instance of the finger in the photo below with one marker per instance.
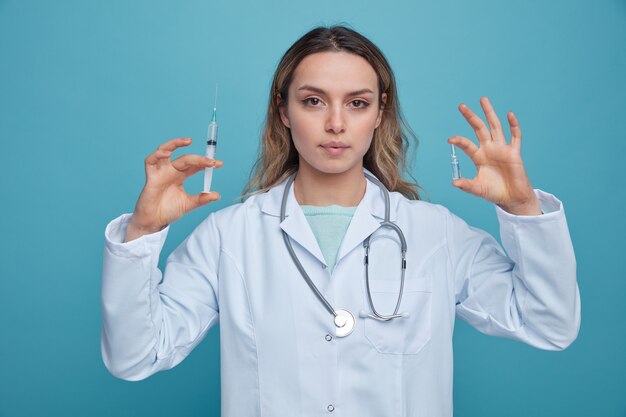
(482, 133)
(469, 186)
(186, 162)
(492, 119)
(466, 145)
(157, 156)
(173, 144)
(190, 166)
(516, 131)
(201, 199)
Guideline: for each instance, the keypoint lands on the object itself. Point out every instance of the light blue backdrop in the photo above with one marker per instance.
(88, 89)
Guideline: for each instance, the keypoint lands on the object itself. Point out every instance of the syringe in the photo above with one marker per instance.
(211, 144)
(454, 162)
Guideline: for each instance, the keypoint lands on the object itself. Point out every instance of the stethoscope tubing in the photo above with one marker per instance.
(403, 247)
(366, 244)
(306, 277)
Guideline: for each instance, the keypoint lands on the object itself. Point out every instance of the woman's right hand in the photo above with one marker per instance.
(163, 199)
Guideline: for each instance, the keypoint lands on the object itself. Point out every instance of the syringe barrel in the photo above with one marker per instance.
(212, 133)
(208, 178)
(456, 169)
(210, 151)
(211, 142)
(454, 163)
(208, 172)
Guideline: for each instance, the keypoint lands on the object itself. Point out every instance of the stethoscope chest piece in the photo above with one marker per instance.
(344, 323)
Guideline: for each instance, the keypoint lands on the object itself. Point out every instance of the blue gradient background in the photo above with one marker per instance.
(88, 89)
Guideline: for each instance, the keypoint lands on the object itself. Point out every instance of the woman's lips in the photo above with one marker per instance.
(335, 148)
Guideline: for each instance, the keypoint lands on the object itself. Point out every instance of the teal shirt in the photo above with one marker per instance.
(329, 225)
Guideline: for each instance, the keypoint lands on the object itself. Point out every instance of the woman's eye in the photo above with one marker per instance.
(359, 104)
(313, 101)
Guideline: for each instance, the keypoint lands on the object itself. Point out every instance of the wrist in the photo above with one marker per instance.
(136, 230)
(529, 207)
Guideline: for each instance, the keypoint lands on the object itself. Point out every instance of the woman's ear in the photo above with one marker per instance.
(282, 110)
(383, 102)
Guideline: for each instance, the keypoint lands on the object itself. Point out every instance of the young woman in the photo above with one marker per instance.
(322, 310)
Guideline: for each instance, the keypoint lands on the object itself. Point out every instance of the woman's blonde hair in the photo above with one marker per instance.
(386, 157)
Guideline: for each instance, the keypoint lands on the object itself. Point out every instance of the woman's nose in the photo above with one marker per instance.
(335, 121)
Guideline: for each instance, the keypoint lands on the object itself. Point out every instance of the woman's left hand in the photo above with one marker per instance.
(501, 177)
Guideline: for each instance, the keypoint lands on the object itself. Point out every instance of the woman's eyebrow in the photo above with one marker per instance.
(320, 91)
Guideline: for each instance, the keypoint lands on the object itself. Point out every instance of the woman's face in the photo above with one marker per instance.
(332, 110)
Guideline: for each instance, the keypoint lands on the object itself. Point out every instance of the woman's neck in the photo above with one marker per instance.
(315, 188)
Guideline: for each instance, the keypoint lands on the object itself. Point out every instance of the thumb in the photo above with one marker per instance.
(469, 186)
(202, 199)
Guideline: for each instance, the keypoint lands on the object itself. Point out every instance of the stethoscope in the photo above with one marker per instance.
(344, 320)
